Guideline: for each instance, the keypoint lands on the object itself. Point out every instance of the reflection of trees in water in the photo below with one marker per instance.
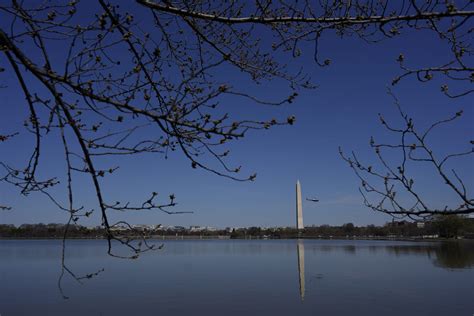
(452, 255)
(455, 255)
(350, 249)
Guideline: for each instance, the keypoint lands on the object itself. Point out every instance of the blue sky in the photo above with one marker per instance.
(341, 112)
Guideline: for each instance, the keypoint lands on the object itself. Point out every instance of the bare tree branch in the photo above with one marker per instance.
(394, 179)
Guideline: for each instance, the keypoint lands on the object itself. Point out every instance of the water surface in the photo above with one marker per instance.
(242, 277)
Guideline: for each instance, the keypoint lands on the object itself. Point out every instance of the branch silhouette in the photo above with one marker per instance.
(383, 185)
(106, 85)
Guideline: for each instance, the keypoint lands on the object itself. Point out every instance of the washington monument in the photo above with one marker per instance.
(299, 207)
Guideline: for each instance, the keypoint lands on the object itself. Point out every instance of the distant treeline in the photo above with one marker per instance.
(49, 231)
(442, 227)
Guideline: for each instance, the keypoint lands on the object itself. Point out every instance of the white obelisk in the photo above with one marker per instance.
(299, 207)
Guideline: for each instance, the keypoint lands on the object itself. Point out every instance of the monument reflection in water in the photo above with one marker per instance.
(243, 277)
(450, 255)
(300, 251)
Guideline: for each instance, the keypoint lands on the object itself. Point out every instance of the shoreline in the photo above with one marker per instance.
(217, 237)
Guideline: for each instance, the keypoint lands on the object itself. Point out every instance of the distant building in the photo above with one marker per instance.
(176, 228)
(140, 227)
(119, 228)
(196, 229)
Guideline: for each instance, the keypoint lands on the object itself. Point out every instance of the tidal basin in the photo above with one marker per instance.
(241, 277)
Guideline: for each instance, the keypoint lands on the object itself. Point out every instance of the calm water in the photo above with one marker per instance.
(267, 277)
